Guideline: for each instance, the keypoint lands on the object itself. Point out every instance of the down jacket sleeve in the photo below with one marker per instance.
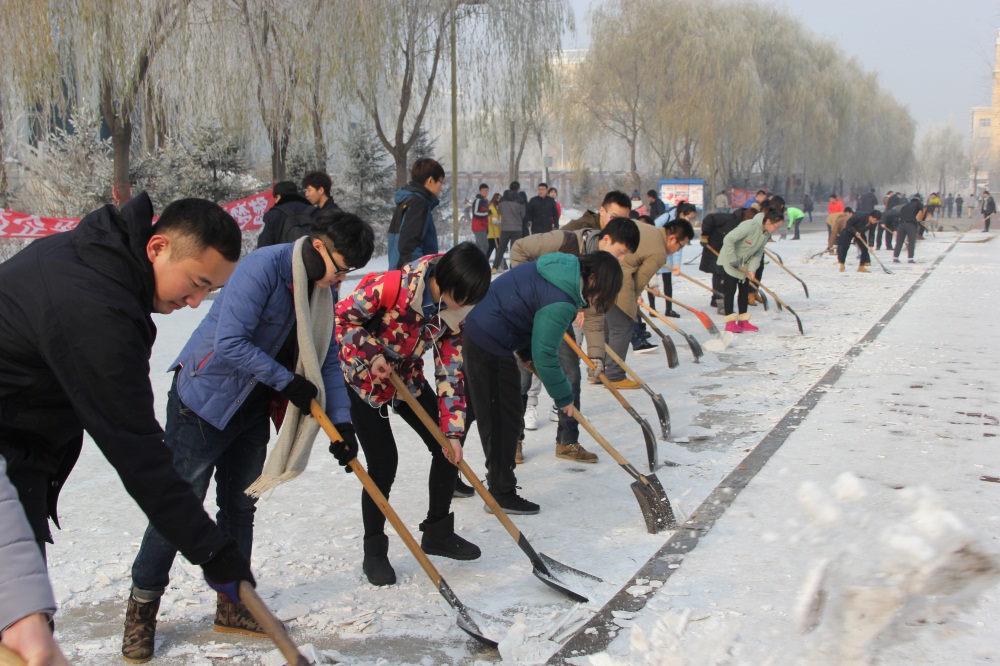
(24, 583)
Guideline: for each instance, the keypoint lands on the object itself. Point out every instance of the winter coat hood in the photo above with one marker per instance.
(411, 188)
(563, 271)
(113, 243)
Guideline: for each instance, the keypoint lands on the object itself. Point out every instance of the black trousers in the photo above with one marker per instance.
(493, 402)
(668, 290)
(872, 230)
(907, 230)
(718, 285)
(730, 287)
(381, 455)
(878, 238)
(844, 246)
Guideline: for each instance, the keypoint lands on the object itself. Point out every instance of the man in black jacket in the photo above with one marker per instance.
(909, 219)
(854, 233)
(286, 217)
(656, 206)
(541, 211)
(989, 209)
(76, 333)
(316, 185)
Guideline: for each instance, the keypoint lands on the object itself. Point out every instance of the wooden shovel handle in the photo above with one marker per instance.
(404, 392)
(620, 361)
(699, 283)
(590, 364)
(271, 625)
(661, 317)
(380, 500)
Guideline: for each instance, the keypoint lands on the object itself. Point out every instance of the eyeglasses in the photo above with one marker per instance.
(340, 270)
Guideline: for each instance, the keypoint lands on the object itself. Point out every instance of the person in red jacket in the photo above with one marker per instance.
(835, 205)
(433, 296)
(481, 218)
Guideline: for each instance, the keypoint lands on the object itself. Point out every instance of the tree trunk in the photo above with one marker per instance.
(279, 152)
(399, 159)
(318, 141)
(3, 166)
(149, 130)
(516, 166)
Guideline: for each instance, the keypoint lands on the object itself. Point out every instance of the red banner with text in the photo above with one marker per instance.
(248, 213)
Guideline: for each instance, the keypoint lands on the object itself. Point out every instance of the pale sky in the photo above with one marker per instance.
(935, 57)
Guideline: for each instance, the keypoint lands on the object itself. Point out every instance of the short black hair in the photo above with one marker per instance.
(425, 168)
(653, 193)
(514, 185)
(848, 209)
(617, 197)
(876, 214)
(552, 189)
(686, 208)
(775, 203)
(319, 180)
(545, 185)
(774, 215)
(622, 230)
(199, 224)
(465, 272)
(351, 236)
(482, 185)
(681, 229)
(607, 279)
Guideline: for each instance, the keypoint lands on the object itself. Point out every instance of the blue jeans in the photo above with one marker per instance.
(235, 455)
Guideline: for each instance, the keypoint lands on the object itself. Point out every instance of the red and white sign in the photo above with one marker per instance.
(248, 213)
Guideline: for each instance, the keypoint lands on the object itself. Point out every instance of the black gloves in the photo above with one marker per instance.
(224, 572)
(346, 450)
(300, 392)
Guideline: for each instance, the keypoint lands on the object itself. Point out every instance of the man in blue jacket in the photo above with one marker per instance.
(218, 406)
(412, 232)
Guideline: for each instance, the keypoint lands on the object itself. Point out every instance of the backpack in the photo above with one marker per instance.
(295, 226)
(389, 297)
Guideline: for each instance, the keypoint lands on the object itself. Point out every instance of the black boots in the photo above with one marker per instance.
(440, 539)
(376, 563)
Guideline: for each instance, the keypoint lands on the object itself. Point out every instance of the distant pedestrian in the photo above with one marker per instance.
(656, 207)
(481, 218)
(795, 216)
(988, 209)
(511, 220)
(835, 205)
(289, 217)
(493, 232)
(721, 202)
(316, 185)
(808, 206)
(554, 194)
(910, 216)
(412, 232)
(958, 205)
(949, 203)
(541, 211)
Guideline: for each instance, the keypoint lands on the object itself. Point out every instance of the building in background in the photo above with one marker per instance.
(984, 153)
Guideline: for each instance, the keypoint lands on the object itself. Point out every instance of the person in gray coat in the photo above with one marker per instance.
(512, 211)
(26, 600)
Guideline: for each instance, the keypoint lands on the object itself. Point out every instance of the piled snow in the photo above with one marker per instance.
(735, 599)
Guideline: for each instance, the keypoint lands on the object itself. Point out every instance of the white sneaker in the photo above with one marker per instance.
(554, 414)
(530, 419)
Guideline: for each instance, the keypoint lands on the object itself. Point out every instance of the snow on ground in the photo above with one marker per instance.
(734, 598)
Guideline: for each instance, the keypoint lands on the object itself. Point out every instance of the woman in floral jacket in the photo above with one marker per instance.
(432, 298)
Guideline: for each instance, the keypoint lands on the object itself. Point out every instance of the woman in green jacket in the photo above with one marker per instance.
(743, 248)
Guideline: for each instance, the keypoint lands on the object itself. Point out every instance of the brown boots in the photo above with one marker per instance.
(140, 630)
(233, 618)
(140, 625)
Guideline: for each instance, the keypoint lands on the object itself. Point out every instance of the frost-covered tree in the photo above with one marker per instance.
(366, 185)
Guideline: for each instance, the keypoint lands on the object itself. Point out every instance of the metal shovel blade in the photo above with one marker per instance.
(555, 574)
(662, 413)
(695, 347)
(469, 620)
(651, 447)
(653, 503)
(671, 349)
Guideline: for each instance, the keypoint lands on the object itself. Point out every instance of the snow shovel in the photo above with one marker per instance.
(647, 430)
(668, 344)
(658, 402)
(777, 261)
(466, 616)
(272, 627)
(649, 492)
(692, 343)
(780, 302)
(701, 284)
(544, 567)
(871, 253)
(757, 292)
(705, 320)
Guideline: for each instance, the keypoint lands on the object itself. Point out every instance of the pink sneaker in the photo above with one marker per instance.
(734, 327)
(747, 326)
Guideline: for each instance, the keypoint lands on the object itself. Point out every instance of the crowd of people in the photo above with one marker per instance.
(76, 332)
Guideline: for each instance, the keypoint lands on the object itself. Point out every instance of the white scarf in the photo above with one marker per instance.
(314, 330)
